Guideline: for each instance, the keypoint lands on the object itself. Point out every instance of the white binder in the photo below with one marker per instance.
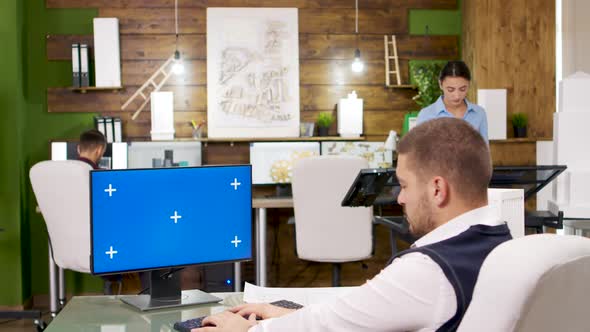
(84, 78)
(109, 129)
(118, 131)
(76, 65)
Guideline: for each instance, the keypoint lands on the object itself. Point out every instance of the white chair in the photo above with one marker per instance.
(534, 283)
(62, 191)
(326, 231)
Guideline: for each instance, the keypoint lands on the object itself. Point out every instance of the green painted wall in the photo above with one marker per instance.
(439, 22)
(11, 115)
(41, 127)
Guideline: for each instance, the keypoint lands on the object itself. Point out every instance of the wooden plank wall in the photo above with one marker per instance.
(326, 43)
(326, 46)
(511, 45)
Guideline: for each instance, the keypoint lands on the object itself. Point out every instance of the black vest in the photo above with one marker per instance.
(460, 258)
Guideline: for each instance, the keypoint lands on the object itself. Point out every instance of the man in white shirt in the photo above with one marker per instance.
(444, 168)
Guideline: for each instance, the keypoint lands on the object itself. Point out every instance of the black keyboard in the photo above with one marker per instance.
(195, 323)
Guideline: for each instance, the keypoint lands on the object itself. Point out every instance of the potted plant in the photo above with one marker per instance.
(425, 76)
(519, 123)
(324, 121)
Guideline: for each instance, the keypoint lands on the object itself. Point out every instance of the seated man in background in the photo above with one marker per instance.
(444, 168)
(91, 148)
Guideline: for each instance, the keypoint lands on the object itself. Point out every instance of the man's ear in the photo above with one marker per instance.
(440, 190)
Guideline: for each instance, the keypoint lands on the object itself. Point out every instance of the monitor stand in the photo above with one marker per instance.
(165, 293)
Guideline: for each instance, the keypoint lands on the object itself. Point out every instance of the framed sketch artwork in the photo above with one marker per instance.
(252, 72)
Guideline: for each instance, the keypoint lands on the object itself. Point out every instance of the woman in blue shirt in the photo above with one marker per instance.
(454, 82)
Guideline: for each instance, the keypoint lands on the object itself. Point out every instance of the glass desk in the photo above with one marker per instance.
(109, 314)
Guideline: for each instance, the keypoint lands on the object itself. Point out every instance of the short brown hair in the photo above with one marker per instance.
(92, 139)
(453, 149)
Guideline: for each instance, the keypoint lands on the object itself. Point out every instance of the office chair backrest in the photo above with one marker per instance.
(326, 231)
(534, 283)
(62, 189)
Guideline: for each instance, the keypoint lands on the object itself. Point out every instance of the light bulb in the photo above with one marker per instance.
(178, 66)
(357, 65)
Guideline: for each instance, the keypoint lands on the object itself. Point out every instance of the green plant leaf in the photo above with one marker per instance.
(425, 75)
(519, 120)
(325, 119)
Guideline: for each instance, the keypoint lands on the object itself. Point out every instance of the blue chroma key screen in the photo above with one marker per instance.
(145, 219)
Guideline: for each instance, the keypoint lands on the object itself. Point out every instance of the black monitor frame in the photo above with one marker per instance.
(513, 177)
(370, 183)
(164, 283)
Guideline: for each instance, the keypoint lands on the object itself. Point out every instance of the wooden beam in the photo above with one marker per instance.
(383, 4)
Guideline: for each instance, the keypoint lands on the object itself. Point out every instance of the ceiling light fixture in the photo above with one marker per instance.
(178, 67)
(357, 65)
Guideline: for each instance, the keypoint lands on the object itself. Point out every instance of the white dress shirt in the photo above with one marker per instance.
(411, 294)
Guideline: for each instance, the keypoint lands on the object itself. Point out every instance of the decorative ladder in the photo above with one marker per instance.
(388, 58)
(151, 83)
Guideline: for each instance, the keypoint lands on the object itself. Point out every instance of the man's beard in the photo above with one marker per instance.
(421, 223)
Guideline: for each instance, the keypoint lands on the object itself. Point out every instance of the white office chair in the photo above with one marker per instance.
(62, 191)
(326, 231)
(534, 283)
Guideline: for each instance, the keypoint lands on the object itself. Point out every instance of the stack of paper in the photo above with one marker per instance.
(303, 296)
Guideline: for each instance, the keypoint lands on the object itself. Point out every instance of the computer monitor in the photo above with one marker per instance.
(372, 185)
(272, 162)
(115, 155)
(163, 218)
(164, 154)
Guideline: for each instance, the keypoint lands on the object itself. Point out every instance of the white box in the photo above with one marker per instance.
(573, 91)
(107, 59)
(119, 154)
(59, 151)
(544, 157)
(509, 205)
(350, 116)
(579, 188)
(494, 103)
(571, 131)
(162, 105)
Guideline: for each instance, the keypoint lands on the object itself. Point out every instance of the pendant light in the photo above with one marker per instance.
(357, 64)
(178, 67)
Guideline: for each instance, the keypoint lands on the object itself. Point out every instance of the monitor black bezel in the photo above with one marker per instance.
(360, 181)
(91, 257)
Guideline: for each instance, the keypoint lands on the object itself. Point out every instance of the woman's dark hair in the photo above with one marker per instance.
(455, 69)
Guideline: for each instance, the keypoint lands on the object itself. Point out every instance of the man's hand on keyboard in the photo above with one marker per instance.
(227, 322)
(262, 310)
